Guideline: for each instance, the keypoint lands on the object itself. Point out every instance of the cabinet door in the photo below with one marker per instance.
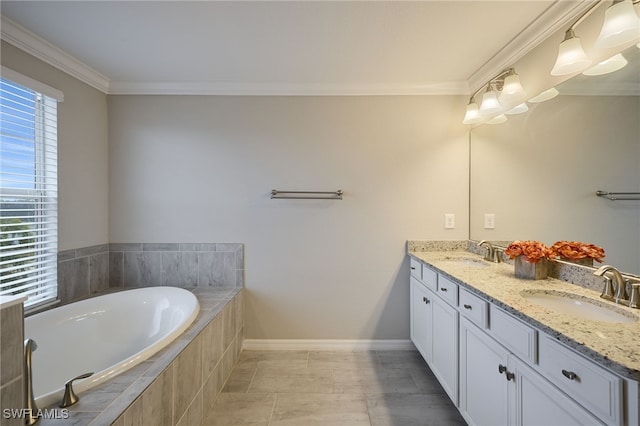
(420, 314)
(483, 387)
(538, 402)
(445, 347)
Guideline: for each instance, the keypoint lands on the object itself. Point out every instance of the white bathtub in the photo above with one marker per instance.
(106, 335)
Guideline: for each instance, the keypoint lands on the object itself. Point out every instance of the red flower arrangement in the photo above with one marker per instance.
(574, 250)
(533, 251)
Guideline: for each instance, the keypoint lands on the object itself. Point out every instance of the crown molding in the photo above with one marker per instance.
(41, 49)
(554, 18)
(282, 89)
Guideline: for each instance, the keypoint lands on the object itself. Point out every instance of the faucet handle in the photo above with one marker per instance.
(498, 252)
(608, 292)
(634, 298)
(70, 396)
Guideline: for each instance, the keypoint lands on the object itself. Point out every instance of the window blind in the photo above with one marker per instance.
(28, 193)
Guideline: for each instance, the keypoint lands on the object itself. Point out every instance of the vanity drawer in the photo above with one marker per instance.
(430, 278)
(513, 334)
(597, 389)
(448, 290)
(416, 268)
(474, 308)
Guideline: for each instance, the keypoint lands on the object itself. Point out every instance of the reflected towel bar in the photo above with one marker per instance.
(614, 196)
(307, 195)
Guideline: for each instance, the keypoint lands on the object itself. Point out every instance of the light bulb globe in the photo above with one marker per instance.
(571, 58)
(621, 25)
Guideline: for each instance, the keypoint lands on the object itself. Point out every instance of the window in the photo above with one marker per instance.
(28, 188)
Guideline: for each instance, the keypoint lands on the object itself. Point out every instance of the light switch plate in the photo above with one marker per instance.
(489, 221)
(449, 221)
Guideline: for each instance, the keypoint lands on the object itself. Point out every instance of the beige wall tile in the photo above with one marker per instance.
(193, 416)
(134, 415)
(188, 376)
(11, 343)
(157, 400)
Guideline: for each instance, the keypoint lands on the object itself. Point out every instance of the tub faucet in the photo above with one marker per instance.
(69, 398)
(619, 281)
(491, 254)
(30, 417)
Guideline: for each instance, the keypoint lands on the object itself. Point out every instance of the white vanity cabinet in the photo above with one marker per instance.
(434, 328)
(421, 314)
(483, 388)
(500, 370)
(497, 388)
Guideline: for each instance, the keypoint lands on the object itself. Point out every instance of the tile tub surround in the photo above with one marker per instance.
(87, 271)
(176, 264)
(82, 272)
(614, 346)
(174, 386)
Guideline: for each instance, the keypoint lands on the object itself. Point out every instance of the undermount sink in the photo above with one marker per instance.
(579, 307)
(467, 261)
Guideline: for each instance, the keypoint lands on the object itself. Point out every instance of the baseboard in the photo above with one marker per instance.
(327, 345)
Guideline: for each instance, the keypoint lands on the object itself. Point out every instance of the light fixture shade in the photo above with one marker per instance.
(607, 66)
(571, 57)
(545, 96)
(512, 91)
(621, 25)
(498, 119)
(522, 108)
(490, 104)
(472, 116)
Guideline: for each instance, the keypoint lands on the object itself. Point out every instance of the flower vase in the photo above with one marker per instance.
(530, 270)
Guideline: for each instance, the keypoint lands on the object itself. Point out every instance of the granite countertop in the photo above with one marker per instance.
(613, 345)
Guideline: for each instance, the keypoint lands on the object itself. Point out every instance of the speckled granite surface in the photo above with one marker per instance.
(613, 345)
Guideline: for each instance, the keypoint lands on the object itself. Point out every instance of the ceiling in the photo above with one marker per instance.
(288, 47)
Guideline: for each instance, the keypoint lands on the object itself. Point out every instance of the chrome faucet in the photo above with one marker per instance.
(491, 254)
(30, 417)
(619, 281)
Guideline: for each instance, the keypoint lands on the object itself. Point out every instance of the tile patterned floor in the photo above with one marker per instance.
(301, 388)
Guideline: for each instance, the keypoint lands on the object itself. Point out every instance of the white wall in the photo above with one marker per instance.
(82, 152)
(200, 169)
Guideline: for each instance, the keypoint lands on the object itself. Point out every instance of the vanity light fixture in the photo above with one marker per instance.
(472, 116)
(512, 91)
(571, 57)
(545, 96)
(490, 104)
(621, 25)
(607, 66)
(500, 93)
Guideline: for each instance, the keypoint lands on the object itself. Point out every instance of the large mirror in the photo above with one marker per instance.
(538, 173)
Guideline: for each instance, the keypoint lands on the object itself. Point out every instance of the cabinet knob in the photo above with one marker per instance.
(501, 368)
(425, 300)
(443, 289)
(413, 268)
(569, 375)
(468, 307)
(510, 376)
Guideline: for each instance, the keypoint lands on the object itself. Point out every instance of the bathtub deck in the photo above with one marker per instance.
(105, 404)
